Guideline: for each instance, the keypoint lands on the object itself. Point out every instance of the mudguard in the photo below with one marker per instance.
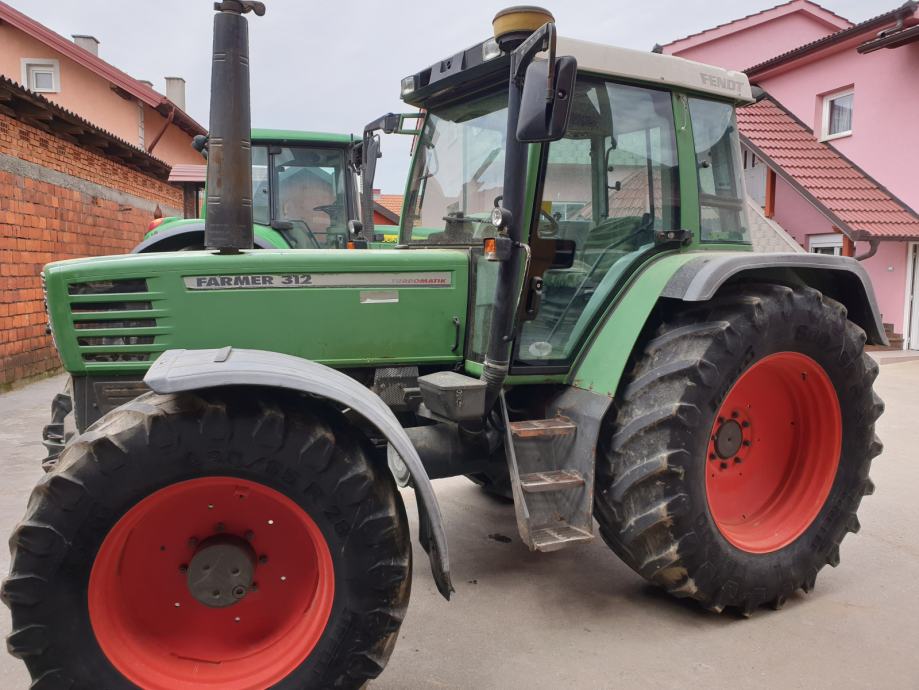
(696, 277)
(184, 370)
(699, 279)
(194, 231)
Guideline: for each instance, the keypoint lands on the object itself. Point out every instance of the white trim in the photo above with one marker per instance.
(909, 298)
(825, 118)
(55, 69)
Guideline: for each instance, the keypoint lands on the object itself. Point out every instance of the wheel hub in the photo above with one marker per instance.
(221, 572)
(728, 439)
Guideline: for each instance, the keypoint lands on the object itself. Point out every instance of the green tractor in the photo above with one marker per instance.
(573, 313)
(304, 192)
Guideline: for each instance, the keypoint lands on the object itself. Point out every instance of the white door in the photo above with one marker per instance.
(912, 295)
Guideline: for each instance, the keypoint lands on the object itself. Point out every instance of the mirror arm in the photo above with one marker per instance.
(540, 40)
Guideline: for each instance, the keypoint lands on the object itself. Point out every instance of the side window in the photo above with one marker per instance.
(609, 185)
(261, 202)
(723, 213)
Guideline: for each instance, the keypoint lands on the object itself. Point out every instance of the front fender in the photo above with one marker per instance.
(190, 232)
(185, 370)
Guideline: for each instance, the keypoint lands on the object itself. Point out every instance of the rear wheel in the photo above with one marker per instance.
(741, 448)
(210, 541)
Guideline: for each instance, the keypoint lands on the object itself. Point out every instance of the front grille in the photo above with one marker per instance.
(117, 321)
(105, 287)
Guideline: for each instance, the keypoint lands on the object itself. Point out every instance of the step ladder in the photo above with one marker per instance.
(552, 481)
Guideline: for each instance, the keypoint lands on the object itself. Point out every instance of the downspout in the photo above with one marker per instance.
(159, 135)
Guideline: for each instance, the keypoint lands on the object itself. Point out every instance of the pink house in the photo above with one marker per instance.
(829, 147)
(72, 75)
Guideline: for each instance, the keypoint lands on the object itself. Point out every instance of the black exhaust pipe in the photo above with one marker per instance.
(228, 224)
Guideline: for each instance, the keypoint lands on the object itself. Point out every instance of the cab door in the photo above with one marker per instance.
(607, 188)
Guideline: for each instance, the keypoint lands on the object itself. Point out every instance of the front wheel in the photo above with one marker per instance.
(218, 540)
(741, 447)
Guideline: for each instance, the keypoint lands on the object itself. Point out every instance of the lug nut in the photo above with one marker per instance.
(747, 444)
(250, 535)
(193, 542)
(183, 568)
(745, 424)
(219, 527)
(239, 591)
(737, 461)
(724, 465)
(263, 559)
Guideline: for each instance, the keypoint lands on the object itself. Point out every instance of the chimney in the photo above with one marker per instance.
(146, 82)
(90, 43)
(175, 91)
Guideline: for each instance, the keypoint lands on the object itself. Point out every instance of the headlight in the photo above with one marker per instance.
(408, 85)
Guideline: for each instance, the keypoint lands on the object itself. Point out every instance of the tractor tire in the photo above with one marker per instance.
(771, 382)
(109, 585)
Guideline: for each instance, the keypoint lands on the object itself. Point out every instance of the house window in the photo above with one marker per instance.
(41, 75)
(826, 244)
(837, 114)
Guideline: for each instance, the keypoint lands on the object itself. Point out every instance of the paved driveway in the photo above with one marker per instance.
(581, 619)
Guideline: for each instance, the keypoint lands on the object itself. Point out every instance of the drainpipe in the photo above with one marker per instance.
(159, 135)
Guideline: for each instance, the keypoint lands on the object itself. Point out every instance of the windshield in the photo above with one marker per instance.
(304, 188)
(458, 172)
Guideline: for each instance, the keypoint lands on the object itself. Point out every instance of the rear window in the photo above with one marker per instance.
(722, 205)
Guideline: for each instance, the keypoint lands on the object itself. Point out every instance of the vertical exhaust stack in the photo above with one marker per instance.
(228, 224)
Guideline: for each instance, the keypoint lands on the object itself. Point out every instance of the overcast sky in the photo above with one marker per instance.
(334, 65)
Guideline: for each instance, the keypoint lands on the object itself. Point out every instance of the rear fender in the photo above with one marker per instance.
(699, 276)
(186, 370)
(188, 234)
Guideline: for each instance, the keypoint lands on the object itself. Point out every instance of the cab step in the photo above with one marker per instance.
(558, 537)
(554, 480)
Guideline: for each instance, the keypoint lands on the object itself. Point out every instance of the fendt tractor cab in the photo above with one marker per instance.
(573, 315)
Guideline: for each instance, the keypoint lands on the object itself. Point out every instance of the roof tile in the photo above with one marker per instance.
(857, 203)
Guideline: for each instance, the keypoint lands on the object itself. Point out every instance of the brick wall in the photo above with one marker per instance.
(62, 202)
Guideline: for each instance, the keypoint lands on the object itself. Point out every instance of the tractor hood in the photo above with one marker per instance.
(343, 308)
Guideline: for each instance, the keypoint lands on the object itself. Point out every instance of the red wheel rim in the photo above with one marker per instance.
(160, 637)
(773, 452)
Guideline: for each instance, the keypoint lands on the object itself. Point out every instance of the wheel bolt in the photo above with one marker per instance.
(712, 456)
(263, 559)
(735, 414)
(183, 568)
(250, 535)
(747, 444)
(239, 591)
(737, 461)
(745, 424)
(193, 542)
(219, 527)
(724, 465)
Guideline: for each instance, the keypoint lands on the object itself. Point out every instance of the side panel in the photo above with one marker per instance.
(344, 308)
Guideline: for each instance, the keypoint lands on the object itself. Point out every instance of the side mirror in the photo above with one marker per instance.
(545, 118)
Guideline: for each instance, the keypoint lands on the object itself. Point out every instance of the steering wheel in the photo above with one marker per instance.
(553, 224)
(331, 210)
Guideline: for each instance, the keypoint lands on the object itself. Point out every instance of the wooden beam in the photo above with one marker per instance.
(848, 246)
(769, 211)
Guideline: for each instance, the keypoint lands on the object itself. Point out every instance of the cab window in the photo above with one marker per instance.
(722, 210)
(609, 186)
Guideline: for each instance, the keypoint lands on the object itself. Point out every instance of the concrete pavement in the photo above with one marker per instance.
(580, 618)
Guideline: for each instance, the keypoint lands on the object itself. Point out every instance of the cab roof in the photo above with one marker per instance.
(293, 135)
(667, 70)
(470, 70)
